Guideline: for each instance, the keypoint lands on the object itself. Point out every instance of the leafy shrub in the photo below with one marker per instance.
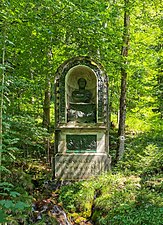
(23, 136)
(143, 153)
(13, 205)
(83, 195)
(148, 214)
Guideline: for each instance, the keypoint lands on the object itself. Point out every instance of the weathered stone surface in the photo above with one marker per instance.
(82, 112)
(80, 166)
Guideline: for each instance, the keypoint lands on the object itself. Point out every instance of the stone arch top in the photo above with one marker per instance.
(66, 80)
(81, 71)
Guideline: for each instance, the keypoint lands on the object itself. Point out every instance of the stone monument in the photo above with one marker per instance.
(81, 120)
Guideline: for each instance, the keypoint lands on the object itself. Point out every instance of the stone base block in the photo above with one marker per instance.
(80, 166)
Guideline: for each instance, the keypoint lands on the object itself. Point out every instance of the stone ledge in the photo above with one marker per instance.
(81, 126)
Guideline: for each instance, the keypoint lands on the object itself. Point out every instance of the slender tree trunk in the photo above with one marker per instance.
(46, 118)
(1, 99)
(124, 53)
(47, 94)
(46, 106)
(160, 95)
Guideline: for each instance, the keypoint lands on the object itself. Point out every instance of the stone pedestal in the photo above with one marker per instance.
(82, 151)
(80, 166)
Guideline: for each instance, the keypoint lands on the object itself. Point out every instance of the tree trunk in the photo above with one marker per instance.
(46, 106)
(1, 99)
(46, 118)
(124, 53)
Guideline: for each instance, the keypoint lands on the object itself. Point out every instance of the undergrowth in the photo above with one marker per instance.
(132, 193)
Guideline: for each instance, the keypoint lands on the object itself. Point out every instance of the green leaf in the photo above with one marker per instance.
(12, 149)
(14, 194)
(12, 156)
(3, 150)
(9, 42)
(6, 184)
(3, 216)
(21, 205)
(8, 204)
(4, 169)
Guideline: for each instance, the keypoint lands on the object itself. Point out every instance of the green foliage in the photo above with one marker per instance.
(83, 195)
(11, 210)
(143, 152)
(101, 193)
(114, 199)
(135, 216)
(133, 208)
(13, 205)
(23, 135)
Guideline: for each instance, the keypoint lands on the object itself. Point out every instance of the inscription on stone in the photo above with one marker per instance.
(80, 166)
(81, 143)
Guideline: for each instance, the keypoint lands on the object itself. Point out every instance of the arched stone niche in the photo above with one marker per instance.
(67, 81)
(81, 110)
